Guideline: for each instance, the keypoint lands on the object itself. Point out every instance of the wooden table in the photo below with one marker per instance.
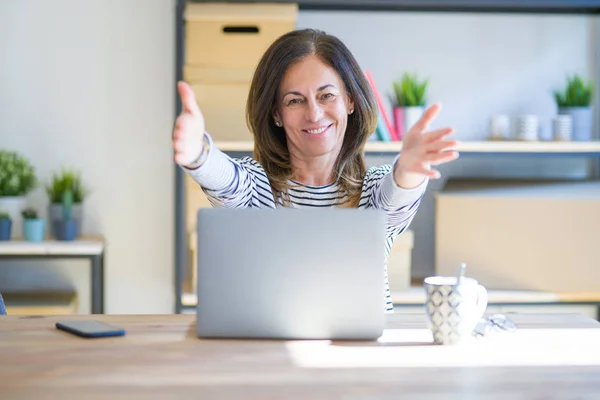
(92, 249)
(550, 357)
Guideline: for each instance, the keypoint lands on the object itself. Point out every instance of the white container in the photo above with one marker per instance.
(562, 127)
(412, 116)
(499, 127)
(527, 128)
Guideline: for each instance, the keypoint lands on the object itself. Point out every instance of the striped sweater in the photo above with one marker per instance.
(242, 182)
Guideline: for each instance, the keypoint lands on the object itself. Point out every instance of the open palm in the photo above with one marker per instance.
(422, 148)
(188, 132)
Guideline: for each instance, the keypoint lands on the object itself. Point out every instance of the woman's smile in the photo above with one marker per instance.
(317, 131)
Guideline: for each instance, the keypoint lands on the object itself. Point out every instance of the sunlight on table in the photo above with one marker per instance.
(414, 348)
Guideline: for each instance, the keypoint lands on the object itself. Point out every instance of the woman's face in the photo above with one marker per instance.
(313, 107)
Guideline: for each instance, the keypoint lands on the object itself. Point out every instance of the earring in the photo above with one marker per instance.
(351, 111)
(278, 123)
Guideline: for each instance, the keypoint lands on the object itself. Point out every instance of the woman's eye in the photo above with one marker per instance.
(294, 101)
(328, 96)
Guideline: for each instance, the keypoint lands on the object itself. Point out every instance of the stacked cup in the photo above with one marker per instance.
(527, 127)
(562, 127)
(499, 127)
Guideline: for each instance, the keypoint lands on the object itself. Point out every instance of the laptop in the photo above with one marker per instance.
(291, 273)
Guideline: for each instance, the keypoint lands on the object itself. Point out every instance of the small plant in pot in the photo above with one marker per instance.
(66, 228)
(410, 97)
(17, 179)
(575, 100)
(5, 226)
(63, 181)
(34, 228)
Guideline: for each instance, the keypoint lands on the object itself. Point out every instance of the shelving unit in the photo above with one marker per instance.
(412, 301)
(487, 6)
(474, 148)
(482, 147)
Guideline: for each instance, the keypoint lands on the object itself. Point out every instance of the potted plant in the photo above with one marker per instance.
(66, 227)
(410, 97)
(34, 227)
(5, 226)
(17, 179)
(575, 100)
(63, 181)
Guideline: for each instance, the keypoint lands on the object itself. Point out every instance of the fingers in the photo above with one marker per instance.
(188, 98)
(442, 158)
(440, 145)
(181, 125)
(178, 145)
(180, 159)
(438, 134)
(429, 172)
(428, 116)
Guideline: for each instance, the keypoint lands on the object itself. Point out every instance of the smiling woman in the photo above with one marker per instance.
(323, 111)
(311, 112)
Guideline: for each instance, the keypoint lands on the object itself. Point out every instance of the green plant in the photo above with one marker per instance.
(64, 181)
(4, 215)
(410, 91)
(17, 175)
(576, 93)
(67, 204)
(29, 213)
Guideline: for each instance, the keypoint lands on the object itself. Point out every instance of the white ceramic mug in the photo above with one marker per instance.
(454, 310)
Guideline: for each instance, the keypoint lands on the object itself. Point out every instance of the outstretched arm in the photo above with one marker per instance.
(226, 182)
(400, 190)
(421, 149)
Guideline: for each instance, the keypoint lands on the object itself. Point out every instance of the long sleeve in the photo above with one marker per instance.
(399, 204)
(227, 182)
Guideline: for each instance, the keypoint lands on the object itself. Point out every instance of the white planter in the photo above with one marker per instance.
(582, 122)
(412, 116)
(13, 205)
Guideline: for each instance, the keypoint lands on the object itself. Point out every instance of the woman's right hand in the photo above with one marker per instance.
(188, 133)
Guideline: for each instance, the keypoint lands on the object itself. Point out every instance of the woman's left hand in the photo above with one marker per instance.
(421, 149)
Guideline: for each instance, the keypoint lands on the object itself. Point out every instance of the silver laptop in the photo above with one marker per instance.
(291, 273)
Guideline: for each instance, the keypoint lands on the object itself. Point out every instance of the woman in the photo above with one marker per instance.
(311, 111)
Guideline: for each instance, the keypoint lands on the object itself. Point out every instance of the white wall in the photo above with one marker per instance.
(90, 85)
(478, 65)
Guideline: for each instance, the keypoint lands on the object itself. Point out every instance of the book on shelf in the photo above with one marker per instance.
(382, 132)
(387, 122)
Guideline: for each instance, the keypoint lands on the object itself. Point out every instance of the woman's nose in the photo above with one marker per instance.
(314, 111)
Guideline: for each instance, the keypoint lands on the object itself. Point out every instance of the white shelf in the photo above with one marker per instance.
(416, 296)
(539, 147)
(83, 246)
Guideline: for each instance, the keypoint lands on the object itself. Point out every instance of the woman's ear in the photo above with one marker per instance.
(276, 117)
(350, 105)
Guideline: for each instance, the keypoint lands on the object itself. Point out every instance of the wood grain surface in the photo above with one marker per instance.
(549, 357)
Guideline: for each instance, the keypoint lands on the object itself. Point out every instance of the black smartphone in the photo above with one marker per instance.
(90, 328)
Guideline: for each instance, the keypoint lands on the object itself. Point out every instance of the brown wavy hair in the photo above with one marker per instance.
(270, 143)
